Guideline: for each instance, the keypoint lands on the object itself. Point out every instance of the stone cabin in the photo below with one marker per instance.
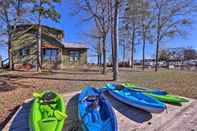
(56, 54)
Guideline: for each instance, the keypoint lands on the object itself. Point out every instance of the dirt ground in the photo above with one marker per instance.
(16, 86)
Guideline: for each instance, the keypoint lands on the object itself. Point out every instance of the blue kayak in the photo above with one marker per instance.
(135, 98)
(95, 111)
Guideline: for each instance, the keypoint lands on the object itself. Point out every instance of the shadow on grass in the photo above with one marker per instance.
(50, 78)
(4, 86)
(130, 112)
(77, 72)
(65, 72)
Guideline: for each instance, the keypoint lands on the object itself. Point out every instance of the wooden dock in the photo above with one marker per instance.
(175, 118)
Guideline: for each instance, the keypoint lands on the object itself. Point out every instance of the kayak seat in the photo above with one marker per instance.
(95, 116)
(106, 124)
(104, 114)
(87, 118)
(95, 126)
(48, 124)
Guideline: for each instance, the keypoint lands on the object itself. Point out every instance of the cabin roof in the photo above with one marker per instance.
(74, 45)
(46, 26)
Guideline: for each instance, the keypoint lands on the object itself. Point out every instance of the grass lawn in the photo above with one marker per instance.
(17, 86)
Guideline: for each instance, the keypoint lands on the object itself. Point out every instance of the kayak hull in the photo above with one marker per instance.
(38, 123)
(139, 100)
(164, 97)
(167, 98)
(106, 118)
(145, 108)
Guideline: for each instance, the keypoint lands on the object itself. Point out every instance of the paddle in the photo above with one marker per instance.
(36, 95)
(59, 115)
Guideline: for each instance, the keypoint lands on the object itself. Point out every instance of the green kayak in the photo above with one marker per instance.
(157, 93)
(47, 112)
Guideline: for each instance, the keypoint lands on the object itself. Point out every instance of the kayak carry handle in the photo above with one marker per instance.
(36, 95)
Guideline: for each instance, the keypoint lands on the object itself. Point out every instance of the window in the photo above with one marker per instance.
(74, 56)
(24, 52)
(50, 54)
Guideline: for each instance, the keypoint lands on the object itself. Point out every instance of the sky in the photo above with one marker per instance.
(74, 29)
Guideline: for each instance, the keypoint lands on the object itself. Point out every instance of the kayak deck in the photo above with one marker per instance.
(158, 94)
(177, 118)
(95, 111)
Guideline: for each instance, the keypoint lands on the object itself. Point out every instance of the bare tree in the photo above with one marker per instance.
(43, 9)
(99, 51)
(164, 55)
(124, 39)
(132, 17)
(146, 23)
(12, 13)
(171, 19)
(96, 35)
(115, 39)
(98, 11)
(189, 54)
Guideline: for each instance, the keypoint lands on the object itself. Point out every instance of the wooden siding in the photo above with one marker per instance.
(65, 58)
(52, 32)
(28, 40)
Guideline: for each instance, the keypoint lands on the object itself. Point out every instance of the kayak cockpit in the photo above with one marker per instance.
(95, 112)
(48, 112)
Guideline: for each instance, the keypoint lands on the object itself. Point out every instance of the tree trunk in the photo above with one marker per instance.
(39, 54)
(115, 38)
(39, 40)
(112, 46)
(132, 48)
(143, 53)
(98, 59)
(112, 32)
(104, 54)
(100, 52)
(123, 52)
(10, 55)
(158, 41)
(11, 33)
(157, 54)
